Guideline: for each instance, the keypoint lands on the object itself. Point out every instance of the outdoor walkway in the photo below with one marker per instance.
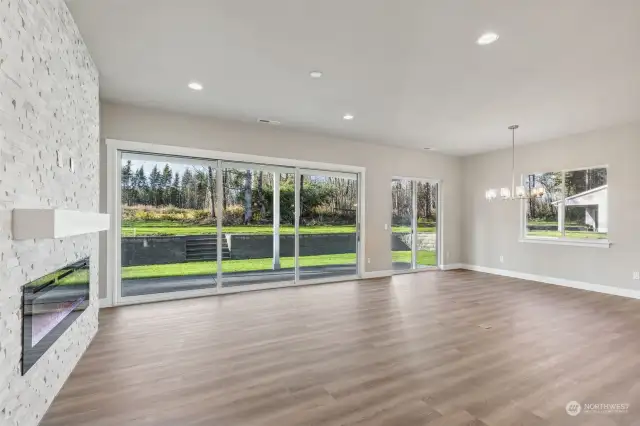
(231, 279)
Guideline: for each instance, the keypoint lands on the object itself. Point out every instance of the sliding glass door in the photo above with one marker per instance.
(253, 237)
(402, 225)
(328, 227)
(414, 224)
(191, 224)
(426, 245)
(168, 235)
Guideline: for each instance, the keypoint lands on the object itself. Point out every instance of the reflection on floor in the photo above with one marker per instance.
(437, 348)
(406, 266)
(144, 286)
(401, 266)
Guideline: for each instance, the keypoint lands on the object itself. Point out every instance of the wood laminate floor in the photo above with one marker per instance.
(435, 348)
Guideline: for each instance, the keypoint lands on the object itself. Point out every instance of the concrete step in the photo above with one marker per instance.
(206, 242)
(197, 243)
(200, 257)
(205, 248)
(209, 255)
(214, 251)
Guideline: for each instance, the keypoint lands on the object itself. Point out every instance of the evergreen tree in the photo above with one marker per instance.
(187, 195)
(126, 179)
(155, 182)
(141, 186)
(201, 188)
(165, 184)
(174, 197)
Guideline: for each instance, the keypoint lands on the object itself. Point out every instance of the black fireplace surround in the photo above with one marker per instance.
(50, 305)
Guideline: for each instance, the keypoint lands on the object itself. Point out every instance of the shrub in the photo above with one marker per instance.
(233, 215)
(147, 213)
(199, 215)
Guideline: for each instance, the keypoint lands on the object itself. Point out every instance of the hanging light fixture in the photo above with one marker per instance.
(515, 192)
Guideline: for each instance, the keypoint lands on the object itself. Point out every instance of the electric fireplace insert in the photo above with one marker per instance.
(50, 305)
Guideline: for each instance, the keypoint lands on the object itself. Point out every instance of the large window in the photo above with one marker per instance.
(574, 205)
(190, 224)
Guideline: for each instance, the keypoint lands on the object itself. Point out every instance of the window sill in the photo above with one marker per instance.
(567, 242)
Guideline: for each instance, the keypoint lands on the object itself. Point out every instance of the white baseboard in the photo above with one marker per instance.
(377, 274)
(634, 294)
(381, 274)
(452, 266)
(616, 291)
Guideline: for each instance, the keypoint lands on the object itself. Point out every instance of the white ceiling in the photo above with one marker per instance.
(409, 70)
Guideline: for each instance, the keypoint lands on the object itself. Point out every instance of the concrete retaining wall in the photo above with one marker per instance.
(261, 246)
(165, 250)
(402, 242)
(153, 250)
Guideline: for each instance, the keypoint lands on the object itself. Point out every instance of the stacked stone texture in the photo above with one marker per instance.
(48, 103)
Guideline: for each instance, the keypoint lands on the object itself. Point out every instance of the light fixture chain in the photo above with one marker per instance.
(520, 191)
(513, 161)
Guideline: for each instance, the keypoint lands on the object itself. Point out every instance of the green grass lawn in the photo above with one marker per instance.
(245, 265)
(534, 222)
(407, 229)
(168, 228)
(569, 234)
(424, 258)
(211, 268)
(554, 233)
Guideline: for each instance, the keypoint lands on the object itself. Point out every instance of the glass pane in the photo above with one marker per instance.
(287, 226)
(427, 214)
(586, 204)
(542, 213)
(401, 224)
(248, 228)
(328, 219)
(168, 224)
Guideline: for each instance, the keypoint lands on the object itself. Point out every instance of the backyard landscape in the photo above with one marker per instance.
(574, 204)
(211, 267)
(170, 214)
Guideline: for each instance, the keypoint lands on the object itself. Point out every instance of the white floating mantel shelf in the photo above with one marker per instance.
(56, 223)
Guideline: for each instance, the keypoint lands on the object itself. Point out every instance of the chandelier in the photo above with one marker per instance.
(515, 192)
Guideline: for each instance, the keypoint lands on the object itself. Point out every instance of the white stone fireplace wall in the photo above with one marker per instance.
(48, 103)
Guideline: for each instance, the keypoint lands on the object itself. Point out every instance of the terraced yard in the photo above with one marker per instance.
(211, 268)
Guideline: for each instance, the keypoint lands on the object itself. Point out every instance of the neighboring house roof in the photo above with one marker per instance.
(583, 194)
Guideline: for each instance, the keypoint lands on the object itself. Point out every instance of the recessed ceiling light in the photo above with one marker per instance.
(348, 117)
(315, 74)
(487, 38)
(194, 85)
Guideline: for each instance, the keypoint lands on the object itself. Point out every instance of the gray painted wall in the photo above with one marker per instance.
(381, 161)
(48, 102)
(492, 229)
